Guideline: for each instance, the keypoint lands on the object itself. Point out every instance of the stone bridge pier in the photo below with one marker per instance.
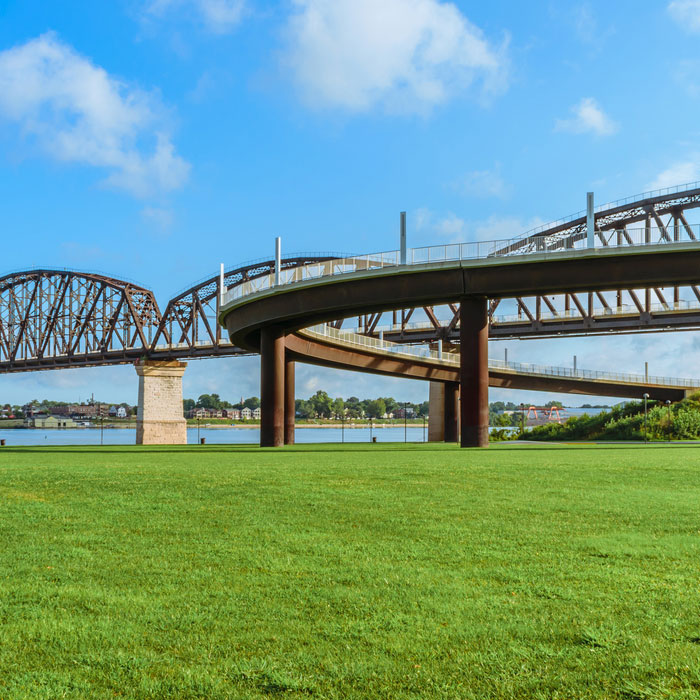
(160, 420)
(443, 412)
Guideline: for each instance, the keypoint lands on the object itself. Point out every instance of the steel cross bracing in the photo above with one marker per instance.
(189, 325)
(663, 212)
(616, 310)
(613, 311)
(52, 318)
(58, 318)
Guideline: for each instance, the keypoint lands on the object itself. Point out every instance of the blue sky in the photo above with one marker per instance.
(154, 139)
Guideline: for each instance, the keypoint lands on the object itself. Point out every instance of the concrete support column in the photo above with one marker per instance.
(289, 405)
(436, 412)
(474, 371)
(451, 412)
(160, 419)
(271, 387)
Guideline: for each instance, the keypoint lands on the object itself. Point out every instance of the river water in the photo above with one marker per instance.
(213, 436)
(226, 436)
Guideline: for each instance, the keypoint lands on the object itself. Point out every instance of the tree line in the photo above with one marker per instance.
(320, 405)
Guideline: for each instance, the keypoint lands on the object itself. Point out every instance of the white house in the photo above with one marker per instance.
(246, 413)
(256, 414)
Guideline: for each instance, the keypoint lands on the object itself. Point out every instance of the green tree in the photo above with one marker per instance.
(322, 404)
(338, 407)
(187, 404)
(376, 408)
(353, 407)
(303, 408)
(391, 404)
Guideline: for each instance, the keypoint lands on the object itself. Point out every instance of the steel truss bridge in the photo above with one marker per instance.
(58, 318)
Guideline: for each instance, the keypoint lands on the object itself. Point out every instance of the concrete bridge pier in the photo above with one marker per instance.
(289, 404)
(474, 371)
(443, 410)
(451, 412)
(272, 387)
(436, 412)
(160, 420)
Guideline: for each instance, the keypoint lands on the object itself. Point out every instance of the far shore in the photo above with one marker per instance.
(216, 426)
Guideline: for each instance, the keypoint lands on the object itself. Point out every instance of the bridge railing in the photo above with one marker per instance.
(650, 194)
(420, 351)
(595, 375)
(622, 240)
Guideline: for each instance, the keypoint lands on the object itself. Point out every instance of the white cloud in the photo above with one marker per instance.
(75, 112)
(404, 55)
(482, 183)
(585, 24)
(457, 230)
(219, 16)
(497, 228)
(588, 118)
(679, 173)
(686, 13)
(159, 217)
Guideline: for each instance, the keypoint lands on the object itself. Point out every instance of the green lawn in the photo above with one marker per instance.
(355, 571)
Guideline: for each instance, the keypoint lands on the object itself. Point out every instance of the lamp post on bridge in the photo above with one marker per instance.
(668, 407)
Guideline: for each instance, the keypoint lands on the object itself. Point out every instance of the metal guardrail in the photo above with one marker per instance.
(611, 205)
(612, 240)
(412, 351)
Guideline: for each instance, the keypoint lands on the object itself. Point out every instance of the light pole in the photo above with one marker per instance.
(668, 406)
(405, 424)
(342, 428)
(646, 396)
(522, 418)
(370, 428)
(423, 428)
(198, 419)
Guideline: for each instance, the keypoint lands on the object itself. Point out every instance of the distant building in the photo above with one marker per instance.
(83, 410)
(233, 413)
(44, 421)
(121, 412)
(408, 412)
(256, 414)
(246, 413)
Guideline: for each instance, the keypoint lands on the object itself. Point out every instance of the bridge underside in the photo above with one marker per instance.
(302, 348)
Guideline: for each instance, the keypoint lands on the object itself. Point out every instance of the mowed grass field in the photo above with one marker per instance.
(354, 571)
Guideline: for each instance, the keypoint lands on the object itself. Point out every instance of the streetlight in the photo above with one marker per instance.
(198, 419)
(645, 397)
(522, 418)
(342, 429)
(370, 428)
(423, 428)
(668, 406)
